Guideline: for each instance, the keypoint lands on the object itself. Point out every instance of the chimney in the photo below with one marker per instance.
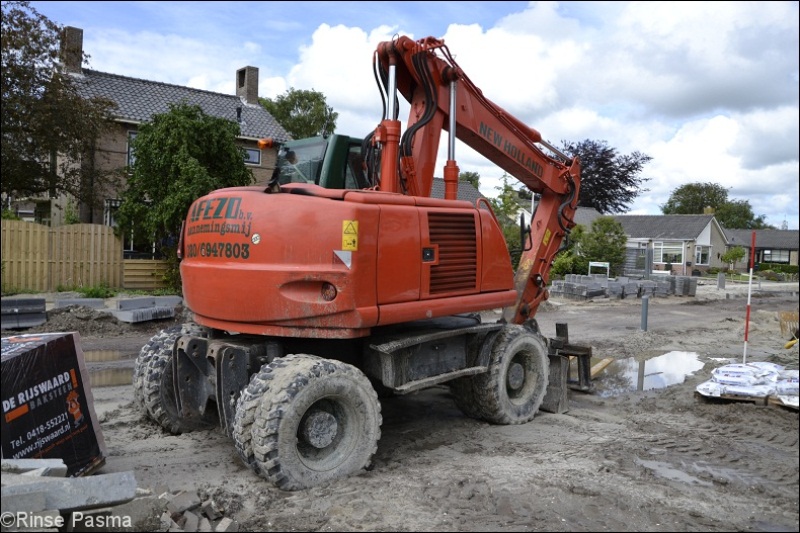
(708, 210)
(247, 84)
(72, 49)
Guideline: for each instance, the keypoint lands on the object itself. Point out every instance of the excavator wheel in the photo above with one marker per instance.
(513, 389)
(246, 407)
(153, 346)
(318, 420)
(464, 389)
(156, 387)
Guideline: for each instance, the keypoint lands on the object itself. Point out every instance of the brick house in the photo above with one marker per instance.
(137, 101)
(679, 244)
(772, 245)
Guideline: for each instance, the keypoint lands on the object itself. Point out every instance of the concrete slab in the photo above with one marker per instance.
(143, 315)
(77, 493)
(94, 303)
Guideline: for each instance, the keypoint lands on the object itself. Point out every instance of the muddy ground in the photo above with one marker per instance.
(620, 459)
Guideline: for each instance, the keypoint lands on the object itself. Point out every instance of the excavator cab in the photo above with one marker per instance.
(332, 162)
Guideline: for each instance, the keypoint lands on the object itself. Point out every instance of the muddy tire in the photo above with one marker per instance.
(318, 421)
(246, 407)
(463, 391)
(513, 389)
(154, 376)
(164, 338)
(154, 345)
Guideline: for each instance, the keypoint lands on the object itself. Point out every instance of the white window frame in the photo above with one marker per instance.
(776, 256)
(698, 254)
(249, 154)
(672, 247)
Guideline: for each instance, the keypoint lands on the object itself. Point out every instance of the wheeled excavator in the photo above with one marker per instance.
(310, 301)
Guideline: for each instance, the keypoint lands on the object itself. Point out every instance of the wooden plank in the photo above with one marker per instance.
(599, 367)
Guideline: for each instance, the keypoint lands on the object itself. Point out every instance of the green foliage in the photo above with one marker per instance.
(505, 204)
(71, 214)
(737, 214)
(779, 267)
(180, 156)
(567, 263)
(96, 291)
(44, 115)
(771, 275)
(696, 198)
(733, 255)
(471, 177)
(302, 113)
(605, 242)
(10, 215)
(609, 181)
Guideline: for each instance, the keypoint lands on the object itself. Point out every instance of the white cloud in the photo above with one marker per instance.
(709, 90)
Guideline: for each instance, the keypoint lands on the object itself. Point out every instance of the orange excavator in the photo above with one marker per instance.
(311, 301)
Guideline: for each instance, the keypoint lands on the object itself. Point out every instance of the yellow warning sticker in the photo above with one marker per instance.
(350, 235)
(546, 237)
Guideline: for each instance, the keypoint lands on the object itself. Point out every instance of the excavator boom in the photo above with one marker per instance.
(442, 97)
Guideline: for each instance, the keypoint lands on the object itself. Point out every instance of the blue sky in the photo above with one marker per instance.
(709, 90)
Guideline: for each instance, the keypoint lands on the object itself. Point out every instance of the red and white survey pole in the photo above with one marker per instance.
(749, 291)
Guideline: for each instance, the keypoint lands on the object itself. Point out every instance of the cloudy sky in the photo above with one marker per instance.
(709, 90)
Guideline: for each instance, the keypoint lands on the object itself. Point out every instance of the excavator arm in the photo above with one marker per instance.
(443, 98)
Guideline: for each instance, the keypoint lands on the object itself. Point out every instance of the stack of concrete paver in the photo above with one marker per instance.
(37, 496)
(577, 287)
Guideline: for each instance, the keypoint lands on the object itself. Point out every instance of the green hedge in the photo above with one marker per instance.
(779, 267)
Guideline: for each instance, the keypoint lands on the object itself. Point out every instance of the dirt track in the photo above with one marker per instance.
(657, 460)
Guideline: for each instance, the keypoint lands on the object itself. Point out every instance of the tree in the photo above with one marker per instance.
(737, 214)
(48, 129)
(180, 155)
(506, 206)
(733, 256)
(603, 241)
(302, 113)
(695, 198)
(609, 181)
(470, 177)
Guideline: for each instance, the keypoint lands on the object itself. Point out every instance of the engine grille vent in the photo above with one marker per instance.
(458, 252)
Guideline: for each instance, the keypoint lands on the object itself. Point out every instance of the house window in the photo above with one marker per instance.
(776, 256)
(701, 254)
(252, 156)
(131, 156)
(668, 252)
(110, 219)
(110, 212)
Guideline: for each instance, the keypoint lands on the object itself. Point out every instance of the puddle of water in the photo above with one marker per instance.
(100, 375)
(629, 375)
(667, 471)
(99, 356)
(111, 377)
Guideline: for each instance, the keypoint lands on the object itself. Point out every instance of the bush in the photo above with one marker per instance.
(779, 267)
(96, 291)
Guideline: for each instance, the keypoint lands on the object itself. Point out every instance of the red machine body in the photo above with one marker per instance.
(300, 260)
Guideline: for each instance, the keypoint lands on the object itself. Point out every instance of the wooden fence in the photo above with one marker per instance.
(144, 274)
(38, 258)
